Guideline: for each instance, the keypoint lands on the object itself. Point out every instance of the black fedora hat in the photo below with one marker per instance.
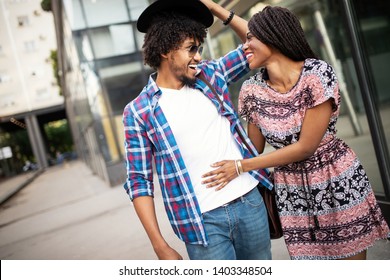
(191, 8)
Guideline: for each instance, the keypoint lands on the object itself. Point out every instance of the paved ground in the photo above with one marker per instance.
(68, 213)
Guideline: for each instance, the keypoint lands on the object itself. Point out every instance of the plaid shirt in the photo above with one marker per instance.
(148, 135)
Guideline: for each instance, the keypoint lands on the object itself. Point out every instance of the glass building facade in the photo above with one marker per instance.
(102, 70)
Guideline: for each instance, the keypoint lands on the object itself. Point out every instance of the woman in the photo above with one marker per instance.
(326, 204)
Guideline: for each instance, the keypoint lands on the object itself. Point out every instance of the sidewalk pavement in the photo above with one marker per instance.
(68, 213)
(12, 186)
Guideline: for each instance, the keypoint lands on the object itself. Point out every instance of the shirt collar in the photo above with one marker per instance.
(152, 89)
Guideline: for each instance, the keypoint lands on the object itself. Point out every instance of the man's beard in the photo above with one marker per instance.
(188, 81)
(180, 74)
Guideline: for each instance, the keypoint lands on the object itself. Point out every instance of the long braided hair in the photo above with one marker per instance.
(280, 28)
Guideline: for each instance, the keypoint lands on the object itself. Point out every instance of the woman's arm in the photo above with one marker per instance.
(313, 129)
(256, 137)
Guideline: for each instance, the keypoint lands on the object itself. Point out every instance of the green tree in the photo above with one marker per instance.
(59, 137)
(20, 146)
(46, 5)
(54, 63)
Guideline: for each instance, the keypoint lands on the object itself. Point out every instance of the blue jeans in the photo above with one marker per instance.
(236, 231)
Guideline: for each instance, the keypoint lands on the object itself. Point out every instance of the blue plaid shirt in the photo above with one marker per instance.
(148, 135)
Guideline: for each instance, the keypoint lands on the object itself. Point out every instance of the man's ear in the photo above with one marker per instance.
(164, 55)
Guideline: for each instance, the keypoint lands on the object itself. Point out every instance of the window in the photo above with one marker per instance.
(42, 94)
(137, 7)
(74, 14)
(23, 21)
(4, 78)
(38, 71)
(29, 46)
(112, 40)
(7, 100)
(97, 15)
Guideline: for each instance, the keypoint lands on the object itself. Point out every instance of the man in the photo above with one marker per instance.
(178, 121)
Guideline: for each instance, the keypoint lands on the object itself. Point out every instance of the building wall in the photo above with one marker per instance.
(27, 82)
(102, 66)
(29, 91)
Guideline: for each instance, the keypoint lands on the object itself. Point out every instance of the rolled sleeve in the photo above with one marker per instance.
(138, 150)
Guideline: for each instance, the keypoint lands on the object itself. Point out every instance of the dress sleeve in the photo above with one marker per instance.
(325, 86)
(245, 106)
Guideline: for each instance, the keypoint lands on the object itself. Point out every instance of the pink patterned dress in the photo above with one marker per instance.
(326, 204)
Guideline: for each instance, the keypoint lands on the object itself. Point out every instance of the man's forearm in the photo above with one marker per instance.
(145, 209)
(238, 24)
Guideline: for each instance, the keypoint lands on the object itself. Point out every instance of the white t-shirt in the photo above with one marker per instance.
(203, 137)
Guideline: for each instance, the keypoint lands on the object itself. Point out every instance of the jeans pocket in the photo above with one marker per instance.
(253, 198)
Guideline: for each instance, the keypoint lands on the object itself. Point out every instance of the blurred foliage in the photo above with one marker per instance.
(20, 146)
(59, 138)
(54, 63)
(46, 5)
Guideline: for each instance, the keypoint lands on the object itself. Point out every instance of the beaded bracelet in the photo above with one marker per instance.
(229, 19)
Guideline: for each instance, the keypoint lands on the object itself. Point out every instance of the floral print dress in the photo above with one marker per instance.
(326, 204)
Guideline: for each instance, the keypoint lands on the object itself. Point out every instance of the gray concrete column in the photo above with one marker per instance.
(36, 141)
